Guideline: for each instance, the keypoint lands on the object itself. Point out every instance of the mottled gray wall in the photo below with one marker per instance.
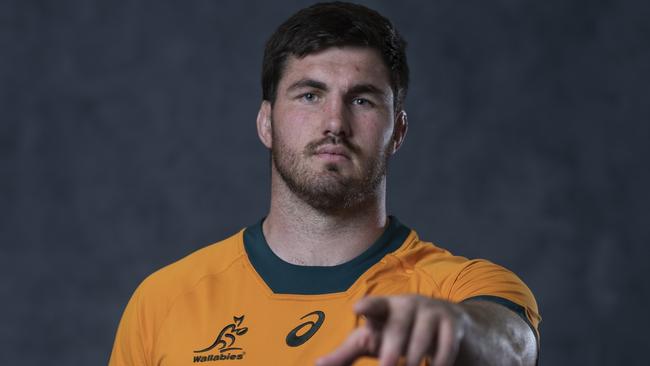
(127, 140)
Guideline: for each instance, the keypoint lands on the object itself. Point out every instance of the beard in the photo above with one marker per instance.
(327, 190)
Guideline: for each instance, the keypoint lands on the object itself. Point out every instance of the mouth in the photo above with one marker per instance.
(332, 152)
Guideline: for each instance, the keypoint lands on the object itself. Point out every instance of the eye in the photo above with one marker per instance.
(361, 101)
(309, 97)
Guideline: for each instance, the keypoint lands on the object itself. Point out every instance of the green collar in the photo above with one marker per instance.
(287, 278)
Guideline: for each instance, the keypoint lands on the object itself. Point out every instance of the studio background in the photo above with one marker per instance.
(127, 141)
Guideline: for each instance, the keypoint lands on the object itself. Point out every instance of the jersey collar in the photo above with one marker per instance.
(286, 278)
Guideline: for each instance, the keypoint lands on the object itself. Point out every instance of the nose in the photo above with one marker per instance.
(337, 119)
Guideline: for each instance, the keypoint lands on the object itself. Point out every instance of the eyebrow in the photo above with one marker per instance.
(367, 89)
(307, 83)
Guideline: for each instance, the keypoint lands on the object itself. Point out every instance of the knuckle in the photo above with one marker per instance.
(402, 301)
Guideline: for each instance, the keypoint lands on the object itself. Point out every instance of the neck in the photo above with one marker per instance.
(302, 235)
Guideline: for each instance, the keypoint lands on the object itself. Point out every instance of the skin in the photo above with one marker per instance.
(339, 109)
(331, 130)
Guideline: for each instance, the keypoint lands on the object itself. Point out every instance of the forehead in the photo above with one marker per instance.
(339, 66)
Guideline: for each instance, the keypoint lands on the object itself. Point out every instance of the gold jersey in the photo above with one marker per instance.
(236, 303)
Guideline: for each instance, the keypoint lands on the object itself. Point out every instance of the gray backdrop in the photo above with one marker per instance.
(127, 140)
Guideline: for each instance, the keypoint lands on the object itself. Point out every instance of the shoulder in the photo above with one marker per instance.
(166, 284)
(426, 256)
(184, 274)
(152, 301)
(459, 278)
(439, 262)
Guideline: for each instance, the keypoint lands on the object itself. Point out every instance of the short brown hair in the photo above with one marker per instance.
(335, 24)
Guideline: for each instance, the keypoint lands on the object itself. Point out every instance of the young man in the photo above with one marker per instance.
(327, 277)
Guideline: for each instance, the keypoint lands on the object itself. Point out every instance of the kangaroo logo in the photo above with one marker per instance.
(226, 338)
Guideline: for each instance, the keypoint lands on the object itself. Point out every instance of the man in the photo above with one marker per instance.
(327, 277)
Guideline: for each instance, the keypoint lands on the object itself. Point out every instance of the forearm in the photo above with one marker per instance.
(495, 335)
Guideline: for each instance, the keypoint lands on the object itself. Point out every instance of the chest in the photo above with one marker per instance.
(240, 322)
(254, 331)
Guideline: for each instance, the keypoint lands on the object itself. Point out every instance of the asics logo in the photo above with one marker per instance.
(297, 336)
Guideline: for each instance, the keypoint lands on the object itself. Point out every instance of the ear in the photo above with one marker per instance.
(264, 124)
(399, 132)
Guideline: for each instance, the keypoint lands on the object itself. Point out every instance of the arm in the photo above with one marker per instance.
(495, 335)
(472, 333)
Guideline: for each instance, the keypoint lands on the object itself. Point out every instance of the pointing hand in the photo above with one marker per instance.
(413, 326)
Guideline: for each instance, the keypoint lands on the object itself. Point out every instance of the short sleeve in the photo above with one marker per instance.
(481, 278)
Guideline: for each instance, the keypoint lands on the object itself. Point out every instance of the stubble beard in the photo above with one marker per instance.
(327, 190)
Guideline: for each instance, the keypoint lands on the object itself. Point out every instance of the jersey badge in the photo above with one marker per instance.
(225, 343)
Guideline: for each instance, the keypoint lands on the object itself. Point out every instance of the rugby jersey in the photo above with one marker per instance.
(236, 303)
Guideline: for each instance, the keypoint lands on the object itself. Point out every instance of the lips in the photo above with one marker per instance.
(333, 151)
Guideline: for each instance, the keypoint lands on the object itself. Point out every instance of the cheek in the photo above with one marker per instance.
(291, 132)
(376, 134)
(294, 126)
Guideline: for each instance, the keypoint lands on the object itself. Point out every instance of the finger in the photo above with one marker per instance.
(447, 345)
(376, 309)
(397, 331)
(361, 342)
(373, 306)
(424, 329)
